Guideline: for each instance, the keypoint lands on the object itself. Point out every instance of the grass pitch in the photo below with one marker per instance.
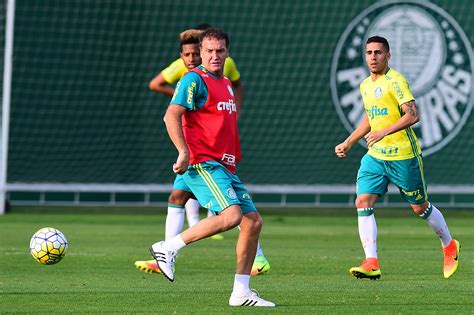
(310, 253)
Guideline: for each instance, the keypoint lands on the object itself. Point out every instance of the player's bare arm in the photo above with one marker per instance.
(411, 109)
(159, 85)
(410, 118)
(173, 124)
(361, 130)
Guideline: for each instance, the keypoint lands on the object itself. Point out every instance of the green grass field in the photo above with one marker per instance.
(310, 253)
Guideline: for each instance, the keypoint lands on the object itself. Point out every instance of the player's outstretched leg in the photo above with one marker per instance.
(165, 259)
(451, 258)
(218, 236)
(174, 220)
(368, 269)
(174, 225)
(165, 251)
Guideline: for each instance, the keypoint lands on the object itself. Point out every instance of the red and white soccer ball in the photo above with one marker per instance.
(48, 246)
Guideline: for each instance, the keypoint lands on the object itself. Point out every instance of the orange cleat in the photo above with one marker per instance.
(369, 269)
(149, 266)
(451, 256)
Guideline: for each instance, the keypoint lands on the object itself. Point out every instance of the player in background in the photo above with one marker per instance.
(181, 197)
(393, 155)
(201, 121)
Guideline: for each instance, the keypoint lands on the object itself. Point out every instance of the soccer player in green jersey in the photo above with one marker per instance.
(394, 155)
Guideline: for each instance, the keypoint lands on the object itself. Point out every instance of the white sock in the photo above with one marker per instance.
(174, 244)
(192, 211)
(259, 250)
(367, 231)
(174, 222)
(435, 219)
(241, 285)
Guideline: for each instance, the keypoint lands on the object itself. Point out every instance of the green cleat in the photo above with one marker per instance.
(217, 237)
(260, 266)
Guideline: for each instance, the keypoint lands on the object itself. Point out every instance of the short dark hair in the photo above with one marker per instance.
(215, 33)
(379, 39)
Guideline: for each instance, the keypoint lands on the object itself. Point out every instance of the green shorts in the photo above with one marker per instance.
(216, 188)
(374, 176)
(180, 184)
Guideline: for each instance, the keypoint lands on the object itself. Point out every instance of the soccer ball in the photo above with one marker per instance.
(48, 246)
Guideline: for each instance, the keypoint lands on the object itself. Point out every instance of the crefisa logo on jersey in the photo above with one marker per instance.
(429, 48)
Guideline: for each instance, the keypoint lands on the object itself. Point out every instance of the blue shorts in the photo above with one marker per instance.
(375, 174)
(180, 184)
(216, 188)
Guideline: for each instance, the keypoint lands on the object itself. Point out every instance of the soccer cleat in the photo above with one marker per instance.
(451, 255)
(369, 269)
(251, 299)
(217, 237)
(260, 266)
(149, 266)
(165, 259)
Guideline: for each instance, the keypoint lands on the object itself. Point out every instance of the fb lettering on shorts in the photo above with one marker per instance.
(228, 159)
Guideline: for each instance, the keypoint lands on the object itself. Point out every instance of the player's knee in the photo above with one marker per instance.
(258, 222)
(360, 203)
(420, 209)
(231, 222)
(365, 201)
(178, 197)
(231, 218)
(253, 222)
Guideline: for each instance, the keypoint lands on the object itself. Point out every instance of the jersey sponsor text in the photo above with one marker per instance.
(227, 106)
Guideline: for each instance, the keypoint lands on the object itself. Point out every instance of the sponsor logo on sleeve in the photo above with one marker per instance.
(191, 93)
